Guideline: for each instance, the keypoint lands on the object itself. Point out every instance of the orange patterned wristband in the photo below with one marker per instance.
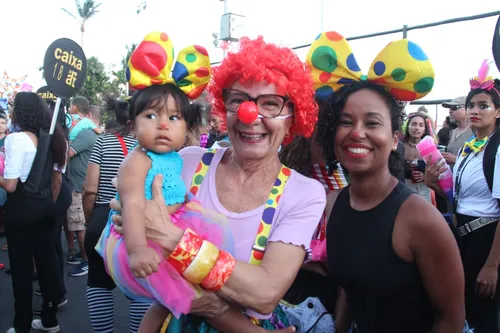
(185, 251)
(220, 273)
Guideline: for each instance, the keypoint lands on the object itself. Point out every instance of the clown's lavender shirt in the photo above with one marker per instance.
(297, 215)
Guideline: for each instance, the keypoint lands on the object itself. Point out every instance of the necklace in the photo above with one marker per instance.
(411, 144)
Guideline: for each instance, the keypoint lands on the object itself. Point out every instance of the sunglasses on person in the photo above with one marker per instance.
(456, 107)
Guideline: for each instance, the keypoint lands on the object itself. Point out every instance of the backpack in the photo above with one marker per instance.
(38, 185)
(489, 158)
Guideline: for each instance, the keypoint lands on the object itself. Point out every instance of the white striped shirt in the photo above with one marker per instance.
(108, 154)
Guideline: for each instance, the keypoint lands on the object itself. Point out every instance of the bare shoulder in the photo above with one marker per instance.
(422, 219)
(331, 198)
(137, 160)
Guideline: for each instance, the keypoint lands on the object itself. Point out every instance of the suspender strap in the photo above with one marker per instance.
(74, 122)
(266, 220)
(201, 170)
(122, 143)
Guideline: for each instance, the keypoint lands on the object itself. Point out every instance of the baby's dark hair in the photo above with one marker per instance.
(156, 96)
(329, 119)
(495, 96)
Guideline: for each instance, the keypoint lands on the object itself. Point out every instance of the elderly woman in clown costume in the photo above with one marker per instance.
(264, 93)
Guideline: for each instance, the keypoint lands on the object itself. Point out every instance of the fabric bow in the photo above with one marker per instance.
(474, 145)
(401, 67)
(151, 64)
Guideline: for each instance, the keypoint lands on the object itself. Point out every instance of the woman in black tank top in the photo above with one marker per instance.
(390, 250)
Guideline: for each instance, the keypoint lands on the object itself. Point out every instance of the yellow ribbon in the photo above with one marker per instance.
(401, 67)
(151, 64)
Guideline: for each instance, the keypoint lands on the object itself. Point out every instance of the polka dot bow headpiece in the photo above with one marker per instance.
(151, 64)
(401, 67)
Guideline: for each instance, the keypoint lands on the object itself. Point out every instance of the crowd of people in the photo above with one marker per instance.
(296, 200)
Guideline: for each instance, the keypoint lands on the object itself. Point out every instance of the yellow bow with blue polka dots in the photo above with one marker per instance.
(151, 64)
(401, 67)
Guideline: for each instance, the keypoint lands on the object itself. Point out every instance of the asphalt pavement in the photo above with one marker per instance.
(73, 317)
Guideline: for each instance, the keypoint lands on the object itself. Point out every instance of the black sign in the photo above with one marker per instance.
(496, 44)
(64, 67)
(45, 93)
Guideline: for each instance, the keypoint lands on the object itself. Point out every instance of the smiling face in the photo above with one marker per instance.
(416, 128)
(364, 138)
(161, 129)
(482, 113)
(262, 137)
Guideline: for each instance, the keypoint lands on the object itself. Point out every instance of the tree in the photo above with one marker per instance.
(85, 12)
(121, 74)
(98, 82)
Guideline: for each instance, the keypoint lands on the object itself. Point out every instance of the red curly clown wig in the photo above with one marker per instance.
(259, 61)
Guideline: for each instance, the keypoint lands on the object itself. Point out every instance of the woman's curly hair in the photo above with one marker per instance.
(259, 61)
(32, 114)
(329, 120)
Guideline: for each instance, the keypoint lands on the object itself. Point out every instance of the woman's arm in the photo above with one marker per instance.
(438, 260)
(56, 184)
(342, 316)
(143, 260)
(486, 284)
(8, 185)
(90, 188)
(216, 311)
(279, 266)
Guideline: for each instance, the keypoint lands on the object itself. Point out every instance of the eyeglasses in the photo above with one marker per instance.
(270, 105)
(456, 107)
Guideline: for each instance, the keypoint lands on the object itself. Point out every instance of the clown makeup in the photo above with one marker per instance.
(482, 114)
(262, 137)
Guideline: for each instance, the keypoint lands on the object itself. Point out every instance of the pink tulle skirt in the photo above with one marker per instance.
(166, 286)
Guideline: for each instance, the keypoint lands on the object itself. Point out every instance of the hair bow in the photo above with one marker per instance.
(482, 80)
(401, 67)
(151, 63)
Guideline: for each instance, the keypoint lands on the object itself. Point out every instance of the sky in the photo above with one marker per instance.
(456, 50)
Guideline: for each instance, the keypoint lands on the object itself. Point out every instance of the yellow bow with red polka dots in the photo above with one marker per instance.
(401, 67)
(151, 64)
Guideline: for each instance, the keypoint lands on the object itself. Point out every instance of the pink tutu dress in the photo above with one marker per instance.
(166, 286)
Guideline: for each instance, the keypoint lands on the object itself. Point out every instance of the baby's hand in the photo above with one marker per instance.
(144, 261)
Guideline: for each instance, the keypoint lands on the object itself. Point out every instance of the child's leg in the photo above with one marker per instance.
(137, 311)
(100, 302)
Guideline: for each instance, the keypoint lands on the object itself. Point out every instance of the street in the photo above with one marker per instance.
(73, 317)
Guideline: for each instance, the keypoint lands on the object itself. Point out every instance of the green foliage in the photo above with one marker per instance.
(121, 74)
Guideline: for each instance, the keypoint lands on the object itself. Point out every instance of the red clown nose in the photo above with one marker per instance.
(248, 112)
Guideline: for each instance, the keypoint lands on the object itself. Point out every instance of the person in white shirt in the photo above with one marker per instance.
(30, 210)
(476, 181)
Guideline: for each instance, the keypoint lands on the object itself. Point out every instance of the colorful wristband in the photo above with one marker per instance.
(202, 263)
(185, 251)
(220, 273)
